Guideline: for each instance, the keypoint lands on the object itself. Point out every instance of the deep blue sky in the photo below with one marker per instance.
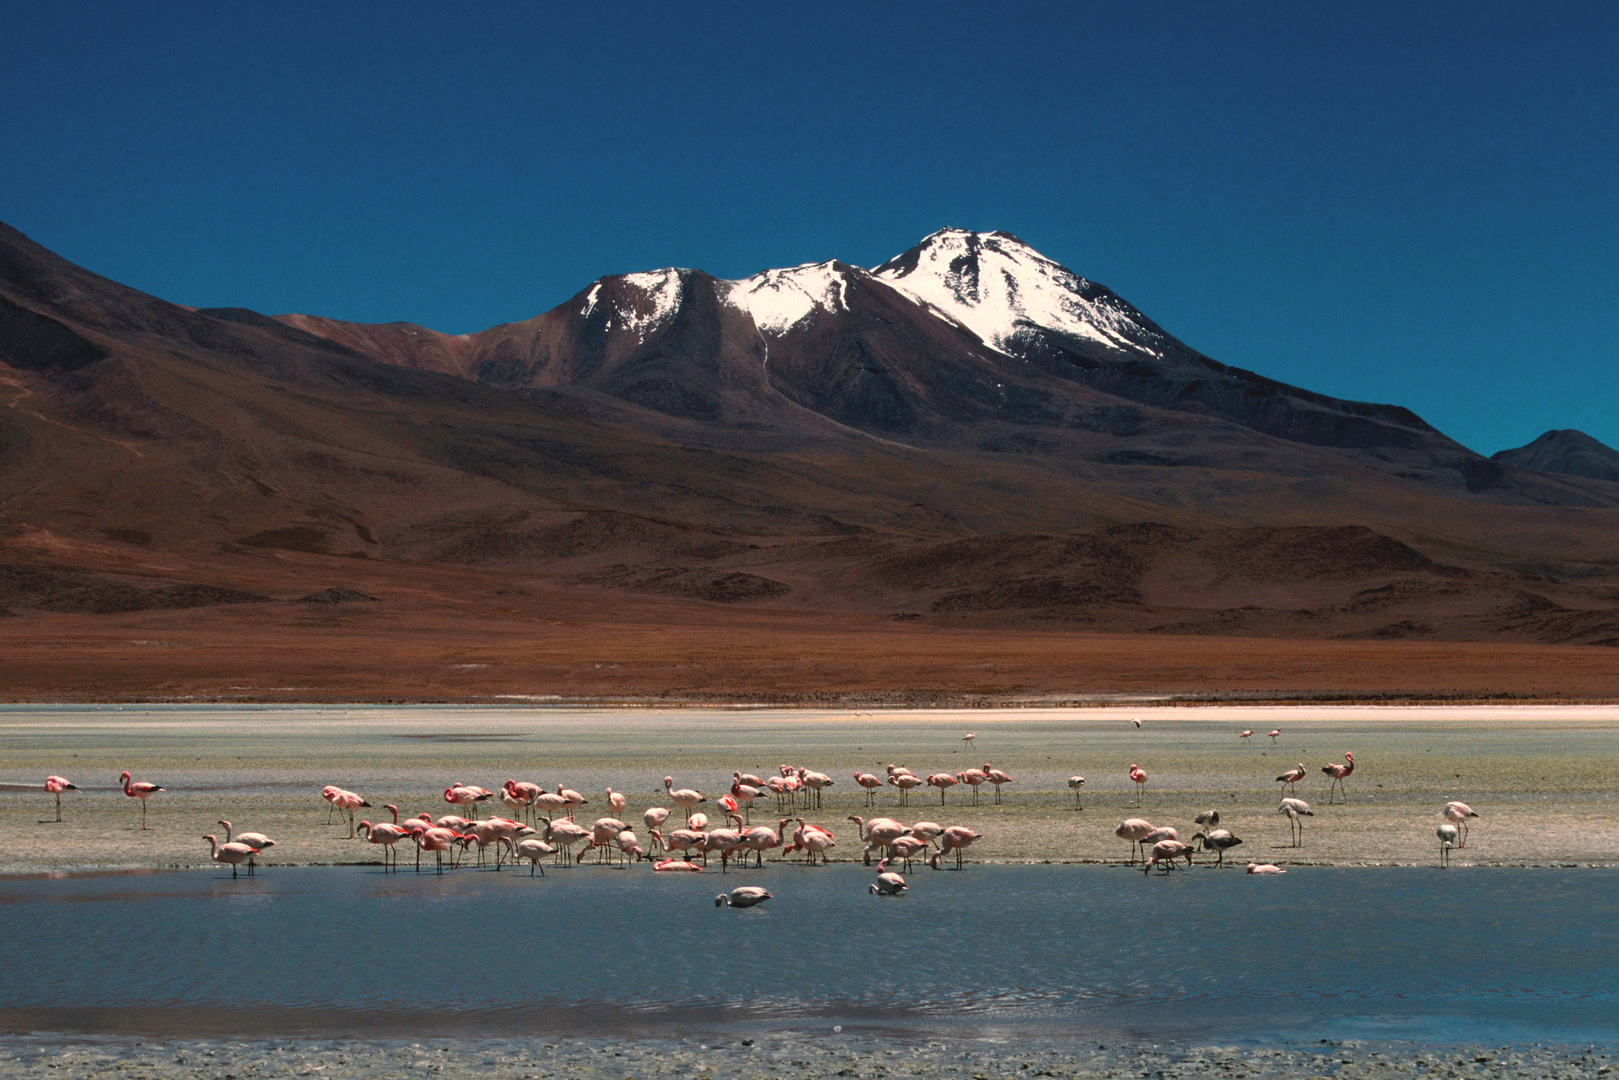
(1409, 202)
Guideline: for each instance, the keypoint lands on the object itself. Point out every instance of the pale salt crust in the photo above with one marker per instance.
(1017, 289)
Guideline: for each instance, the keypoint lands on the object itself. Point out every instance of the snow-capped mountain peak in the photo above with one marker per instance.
(780, 299)
(1002, 290)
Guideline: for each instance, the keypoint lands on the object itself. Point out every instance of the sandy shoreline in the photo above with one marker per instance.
(1540, 776)
(724, 1058)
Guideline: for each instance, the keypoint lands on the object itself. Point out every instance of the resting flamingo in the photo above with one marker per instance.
(1338, 772)
(460, 794)
(55, 785)
(1290, 779)
(676, 864)
(139, 790)
(1138, 777)
(233, 855)
(1265, 868)
(871, 784)
(815, 781)
(905, 782)
(348, 802)
(255, 840)
(957, 838)
(1457, 813)
(997, 778)
(942, 781)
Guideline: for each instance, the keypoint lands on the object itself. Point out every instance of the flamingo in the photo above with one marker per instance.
(1134, 830)
(878, 833)
(814, 840)
(1163, 832)
(973, 778)
(1074, 784)
(942, 780)
(451, 821)
(685, 798)
(761, 838)
(232, 854)
(682, 840)
(1165, 852)
(1265, 868)
(1290, 779)
(815, 781)
(871, 784)
(723, 840)
(956, 838)
(348, 802)
(1295, 809)
(550, 804)
(676, 864)
(329, 792)
(1449, 838)
(969, 737)
(139, 790)
(742, 796)
(996, 777)
(1273, 732)
(55, 785)
(515, 797)
(1457, 813)
(603, 832)
(1209, 818)
(1338, 772)
(255, 840)
(438, 841)
(564, 834)
(616, 802)
(654, 817)
(887, 883)
(927, 830)
(1138, 776)
(571, 798)
(1136, 720)
(746, 896)
(386, 834)
(1219, 840)
(534, 849)
(460, 794)
(1246, 733)
(905, 782)
(907, 847)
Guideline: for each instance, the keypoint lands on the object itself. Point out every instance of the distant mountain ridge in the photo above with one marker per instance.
(1566, 452)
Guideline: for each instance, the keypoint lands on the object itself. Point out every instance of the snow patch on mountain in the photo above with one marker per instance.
(780, 299)
(1001, 289)
(661, 292)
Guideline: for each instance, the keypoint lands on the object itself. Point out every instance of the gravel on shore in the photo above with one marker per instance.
(773, 1055)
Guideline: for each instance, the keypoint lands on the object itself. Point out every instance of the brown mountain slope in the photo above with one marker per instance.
(878, 466)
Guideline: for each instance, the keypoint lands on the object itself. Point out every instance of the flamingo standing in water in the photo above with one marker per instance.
(459, 794)
(533, 849)
(1165, 852)
(438, 841)
(996, 777)
(973, 778)
(1338, 772)
(956, 838)
(139, 790)
(348, 802)
(255, 840)
(745, 897)
(387, 835)
(1246, 733)
(887, 883)
(905, 782)
(1457, 813)
(815, 781)
(1449, 837)
(1290, 779)
(969, 737)
(233, 855)
(871, 784)
(1273, 732)
(878, 833)
(56, 785)
(1138, 777)
(942, 780)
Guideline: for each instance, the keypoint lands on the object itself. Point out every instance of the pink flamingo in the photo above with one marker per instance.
(761, 838)
(676, 864)
(616, 802)
(1290, 779)
(255, 840)
(942, 781)
(685, 798)
(878, 833)
(1338, 772)
(1138, 776)
(969, 737)
(348, 802)
(887, 883)
(956, 838)
(905, 782)
(1134, 830)
(1246, 733)
(813, 839)
(438, 841)
(459, 794)
(997, 778)
(139, 790)
(1165, 852)
(56, 785)
(815, 781)
(871, 784)
(1457, 813)
(1273, 732)
(973, 778)
(387, 835)
(233, 855)
(1265, 868)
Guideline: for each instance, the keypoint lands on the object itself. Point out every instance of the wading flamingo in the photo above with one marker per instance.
(878, 833)
(871, 784)
(996, 777)
(1217, 840)
(973, 778)
(534, 849)
(746, 896)
(887, 883)
(957, 838)
(233, 855)
(139, 790)
(1138, 777)
(942, 780)
(387, 835)
(255, 840)
(56, 785)
(685, 798)
(1134, 830)
(1165, 852)
(1449, 838)
(1273, 732)
(1246, 733)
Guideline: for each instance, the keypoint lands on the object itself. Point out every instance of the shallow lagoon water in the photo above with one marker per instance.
(1441, 957)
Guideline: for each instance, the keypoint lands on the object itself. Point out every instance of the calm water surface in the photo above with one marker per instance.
(1495, 956)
